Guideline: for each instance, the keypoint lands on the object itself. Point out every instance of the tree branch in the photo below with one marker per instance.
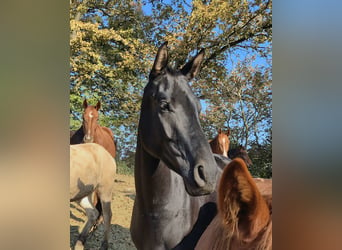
(232, 44)
(266, 26)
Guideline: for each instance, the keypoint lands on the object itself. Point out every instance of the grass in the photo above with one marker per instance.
(123, 168)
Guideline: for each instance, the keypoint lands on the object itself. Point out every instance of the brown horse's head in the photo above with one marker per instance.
(169, 126)
(90, 120)
(220, 144)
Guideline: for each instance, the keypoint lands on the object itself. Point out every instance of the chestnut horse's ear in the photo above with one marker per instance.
(228, 132)
(191, 69)
(161, 59)
(85, 104)
(98, 106)
(240, 202)
(219, 131)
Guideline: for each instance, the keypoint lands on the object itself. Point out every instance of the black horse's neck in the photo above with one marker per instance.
(154, 193)
(152, 179)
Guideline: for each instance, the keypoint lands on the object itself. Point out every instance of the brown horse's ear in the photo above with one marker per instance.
(240, 202)
(85, 104)
(98, 106)
(191, 69)
(219, 131)
(161, 59)
(228, 132)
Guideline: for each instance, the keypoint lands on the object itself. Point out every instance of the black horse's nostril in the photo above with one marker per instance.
(201, 173)
(199, 176)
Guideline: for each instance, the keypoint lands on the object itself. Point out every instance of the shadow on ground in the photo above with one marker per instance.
(130, 195)
(120, 238)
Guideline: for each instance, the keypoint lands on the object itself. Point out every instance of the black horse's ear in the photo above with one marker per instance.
(85, 104)
(98, 106)
(161, 59)
(191, 69)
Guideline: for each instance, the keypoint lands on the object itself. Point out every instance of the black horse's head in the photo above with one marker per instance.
(241, 152)
(169, 126)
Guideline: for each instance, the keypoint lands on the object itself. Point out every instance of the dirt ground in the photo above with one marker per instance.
(122, 205)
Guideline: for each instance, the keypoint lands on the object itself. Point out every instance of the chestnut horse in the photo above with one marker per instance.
(244, 220)
(175, 170)
(91, 131)
(92, 170)
(220, 144)
(241, 152)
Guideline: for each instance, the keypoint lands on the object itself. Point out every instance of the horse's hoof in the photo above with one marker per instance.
(79, 245)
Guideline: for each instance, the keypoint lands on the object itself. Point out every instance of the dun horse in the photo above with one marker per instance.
(241, 152)
(174, 166)
(92, 170)
(91, 131)
(220, 144)
(244, 220)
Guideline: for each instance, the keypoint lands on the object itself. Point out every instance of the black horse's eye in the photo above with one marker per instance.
(164, 106)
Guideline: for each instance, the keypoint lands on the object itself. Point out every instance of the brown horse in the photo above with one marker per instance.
(91, 131)
(244, 220)
(92, 170)
(241, 152)
(220, 144)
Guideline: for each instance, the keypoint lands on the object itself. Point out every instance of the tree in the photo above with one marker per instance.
(262, 158)
(113, 44)
(108, 52)
(234, 87)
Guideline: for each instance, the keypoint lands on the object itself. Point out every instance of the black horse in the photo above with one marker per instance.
(175, 170)
(241, 152)
(76, 136)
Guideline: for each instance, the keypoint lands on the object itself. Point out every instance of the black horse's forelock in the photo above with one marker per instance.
(169, 81)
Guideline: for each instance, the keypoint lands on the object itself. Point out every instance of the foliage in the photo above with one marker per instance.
(113, 44)
(108, 61)
(262, 160)
(123, 168)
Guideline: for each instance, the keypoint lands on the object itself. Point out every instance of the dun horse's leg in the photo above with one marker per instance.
(92, 215)
(98, 206)
(107, 217)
